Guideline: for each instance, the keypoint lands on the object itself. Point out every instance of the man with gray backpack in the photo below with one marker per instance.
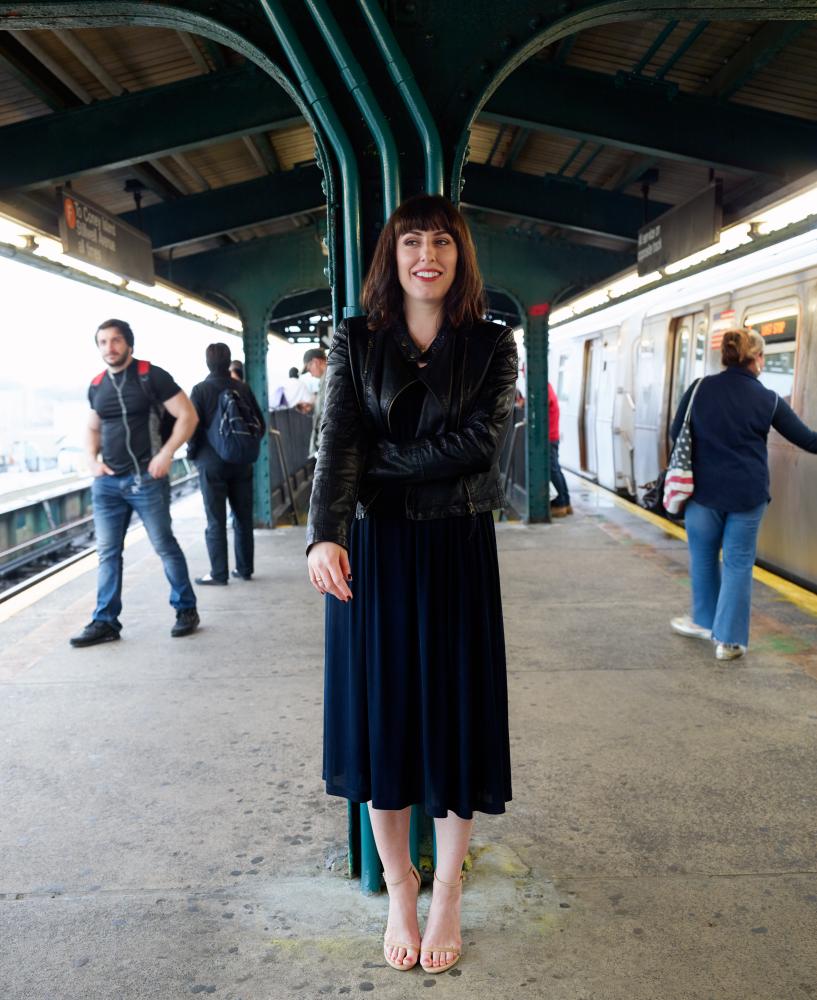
(224, 447)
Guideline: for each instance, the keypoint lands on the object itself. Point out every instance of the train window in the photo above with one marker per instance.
(561, 377)
(778, 327)
(689, 356)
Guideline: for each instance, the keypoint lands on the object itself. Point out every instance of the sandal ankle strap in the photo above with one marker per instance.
(412, 871)
(451, 885)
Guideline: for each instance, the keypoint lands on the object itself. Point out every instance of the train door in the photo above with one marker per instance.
(593, 361)
(688, 357)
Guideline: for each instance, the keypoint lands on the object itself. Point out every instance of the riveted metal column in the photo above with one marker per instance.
(315, 94)
(359, 88)
(537, 447)
(255, 358)
(403, 77)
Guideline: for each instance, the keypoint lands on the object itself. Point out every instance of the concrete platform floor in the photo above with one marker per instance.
(164, 831)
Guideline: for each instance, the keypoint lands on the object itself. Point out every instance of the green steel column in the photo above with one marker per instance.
(370, 866)
(255, 357)
(403, 77)
(359, 88)
(537, 447)
(319, 100)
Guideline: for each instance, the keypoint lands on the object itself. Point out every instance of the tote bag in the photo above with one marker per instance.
(678, 481)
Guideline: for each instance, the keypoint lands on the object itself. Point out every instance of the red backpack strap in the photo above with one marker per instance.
(142, 368)
(97, 379)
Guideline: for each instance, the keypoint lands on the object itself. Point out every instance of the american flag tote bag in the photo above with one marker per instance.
(678, 483)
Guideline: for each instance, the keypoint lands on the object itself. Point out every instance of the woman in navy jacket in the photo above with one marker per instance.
(731, 416)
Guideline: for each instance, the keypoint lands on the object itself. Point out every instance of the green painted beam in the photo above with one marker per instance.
(556, 201)
(538, 269)
(553, 200)
(221, 210)
(149, 123)
(629, 114)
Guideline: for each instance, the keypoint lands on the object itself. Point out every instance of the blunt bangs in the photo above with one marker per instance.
(423, 215)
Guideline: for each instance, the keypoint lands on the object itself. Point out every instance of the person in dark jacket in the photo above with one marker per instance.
(417, 401)
(221, 481)
(730, 420)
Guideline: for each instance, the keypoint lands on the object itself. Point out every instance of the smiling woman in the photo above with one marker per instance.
(417, 402)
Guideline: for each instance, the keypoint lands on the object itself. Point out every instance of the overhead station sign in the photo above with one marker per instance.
(682, 231)
(90, 234)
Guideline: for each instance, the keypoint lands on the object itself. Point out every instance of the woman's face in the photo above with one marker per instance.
(426, 264)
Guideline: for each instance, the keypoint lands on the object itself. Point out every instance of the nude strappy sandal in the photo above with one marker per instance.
(425, 949)
(387, 942)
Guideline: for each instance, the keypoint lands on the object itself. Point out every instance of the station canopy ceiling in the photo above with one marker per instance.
(569, 146)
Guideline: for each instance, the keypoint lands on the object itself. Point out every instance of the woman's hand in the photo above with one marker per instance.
(329, 570)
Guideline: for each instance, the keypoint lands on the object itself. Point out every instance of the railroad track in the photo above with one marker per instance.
(49, 552)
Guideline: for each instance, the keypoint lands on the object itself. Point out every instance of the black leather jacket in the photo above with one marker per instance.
(451, 468)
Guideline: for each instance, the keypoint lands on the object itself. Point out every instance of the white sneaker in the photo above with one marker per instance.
(729, 650)
(686, 626)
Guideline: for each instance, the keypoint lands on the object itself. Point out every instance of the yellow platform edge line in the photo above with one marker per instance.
(804, 599)
(45, 587)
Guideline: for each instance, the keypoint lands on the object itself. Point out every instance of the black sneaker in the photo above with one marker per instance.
(187, 621)
(95, 632)
(241, 576)
(210, 581)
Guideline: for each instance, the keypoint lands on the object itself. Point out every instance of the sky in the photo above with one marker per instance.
(48, 324)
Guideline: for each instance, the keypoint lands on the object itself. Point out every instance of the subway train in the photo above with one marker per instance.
(620, 370)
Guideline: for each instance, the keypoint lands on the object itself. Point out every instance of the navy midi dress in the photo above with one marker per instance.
(416, 705)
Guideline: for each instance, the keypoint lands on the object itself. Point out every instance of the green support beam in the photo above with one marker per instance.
(557, 201)
(221, 210)
(537, 438)
(552, 200)
(635, 115)
(149, 123)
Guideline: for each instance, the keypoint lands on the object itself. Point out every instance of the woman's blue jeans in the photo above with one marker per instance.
(115, 498)
(722, 596)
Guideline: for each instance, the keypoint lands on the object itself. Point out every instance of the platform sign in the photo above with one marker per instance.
(91, 234)
(682, 231)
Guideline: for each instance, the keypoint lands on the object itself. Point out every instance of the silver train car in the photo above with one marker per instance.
(620, 371)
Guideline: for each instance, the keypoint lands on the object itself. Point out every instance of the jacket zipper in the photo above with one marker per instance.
(364, 508)
(391, 404)
(368, 355)
(472, 510)
(462, 382)
(123, 409)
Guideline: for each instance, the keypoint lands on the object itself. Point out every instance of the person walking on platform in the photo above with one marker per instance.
(315, 365)
(418, 397)
(730, 420)
(560, 505)
(220, 479)
(139, 418)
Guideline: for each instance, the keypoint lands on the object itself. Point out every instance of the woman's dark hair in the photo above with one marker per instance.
(218, 358)
(121, 326)
(293, 372)
(740, 347)
(382, 296)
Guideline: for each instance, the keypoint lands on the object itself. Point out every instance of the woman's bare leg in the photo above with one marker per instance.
(391, 834)
(443, 926)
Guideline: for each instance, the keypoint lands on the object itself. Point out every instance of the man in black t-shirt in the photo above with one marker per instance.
(131, 443)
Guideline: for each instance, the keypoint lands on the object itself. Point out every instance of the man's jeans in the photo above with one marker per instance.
(115, 498)
(557, 477)
(218, 485)
(722, 599)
